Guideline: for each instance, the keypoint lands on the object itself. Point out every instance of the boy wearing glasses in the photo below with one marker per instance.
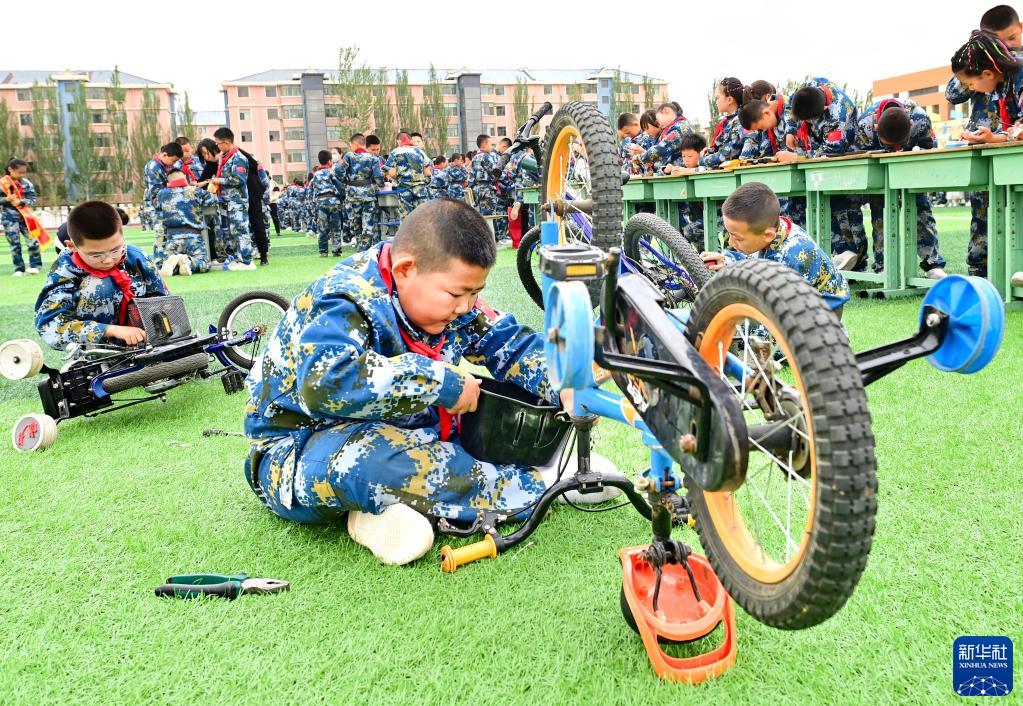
(85, 298)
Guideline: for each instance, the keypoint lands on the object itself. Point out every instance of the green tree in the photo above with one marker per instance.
(649, 93)
(712, 103)
(187, 126)
(383, 111)
(575, 92)
(10, 139)
(520, 102)
(85, 177)
(408, 112)
(120, 164)
(433, 115)
(355, 83)
(145, 138)
(48, 150)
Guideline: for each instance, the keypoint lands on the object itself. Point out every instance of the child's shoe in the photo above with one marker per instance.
(846, 260)
(18, 273)
(935, 273)
(32, 270)
(599, 463)
(1017, 279)
(168, 266)
(184, 265)
(398, 535)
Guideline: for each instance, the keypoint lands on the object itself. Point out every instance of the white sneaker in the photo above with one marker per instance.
(515, 211)
(168, 266)
(846, 260)
(935, 273)
(549, 473)
(398, 535)
(184, 265)
(236, 266)
(1017, 279)
(32, 270)
(18, 273)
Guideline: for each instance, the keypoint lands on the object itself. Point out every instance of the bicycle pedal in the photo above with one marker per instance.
(233, 381)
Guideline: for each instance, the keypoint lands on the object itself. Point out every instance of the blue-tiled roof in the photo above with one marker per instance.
(104, 76)
(422, 76)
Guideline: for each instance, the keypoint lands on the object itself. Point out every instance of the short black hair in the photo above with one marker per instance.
(224, 133)
(323, 156)
(93, 220)
(670, 104)
(808, 102)
(439, 160)
(209, 145)
(505, 141)
(440, 230)
(692, 141)
(456, 155)
(124, 216)
(751, 111)
(754, 204)
(357, 137)
(480, 139)
(415, 134)
(626, 119)
(182, 140)
(894, 124)
(649, 117)
(372, 140)
(16, 163)
(998, 18)
(173, 149)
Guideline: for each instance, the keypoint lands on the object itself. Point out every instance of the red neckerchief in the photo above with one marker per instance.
(187, 171)
(447, 420)
(404, 140)
(664, 131)
(1003, 113)
(361, 150)
(223, 161)
(120, 277)
(720, 127)
(324, 166)
(803, 133)
(177, 183)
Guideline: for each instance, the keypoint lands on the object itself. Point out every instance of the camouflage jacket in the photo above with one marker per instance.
(831, 134)
(182, 206)
(409, 163)
(360, 168)
(667, 148)
(326, 182)
(920, 133)
(235, 173)
(730, 142)
(456, 177)
(481, 171)
(154, 178)
(8, 212)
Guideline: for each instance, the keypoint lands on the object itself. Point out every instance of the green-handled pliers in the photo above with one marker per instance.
(220, 585)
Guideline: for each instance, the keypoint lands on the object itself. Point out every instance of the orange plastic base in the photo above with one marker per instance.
(679, 616)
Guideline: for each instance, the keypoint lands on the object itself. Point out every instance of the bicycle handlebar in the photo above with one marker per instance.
(523, 139)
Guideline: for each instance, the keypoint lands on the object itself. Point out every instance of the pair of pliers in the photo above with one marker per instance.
(219, 585)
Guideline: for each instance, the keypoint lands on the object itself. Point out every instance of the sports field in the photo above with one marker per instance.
(89, 527)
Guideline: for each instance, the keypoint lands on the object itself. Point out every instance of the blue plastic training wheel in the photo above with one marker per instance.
(569, 346)
(976, 322)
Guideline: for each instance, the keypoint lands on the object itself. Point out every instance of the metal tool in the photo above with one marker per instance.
(217, 585)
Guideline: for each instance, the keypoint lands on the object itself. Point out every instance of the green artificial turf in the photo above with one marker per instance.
(89, 527)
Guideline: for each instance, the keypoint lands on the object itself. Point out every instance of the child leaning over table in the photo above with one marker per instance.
(756, 228)
(351, 404)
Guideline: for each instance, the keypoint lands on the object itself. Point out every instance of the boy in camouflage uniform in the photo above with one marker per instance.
(14, 225)
(362, 173)
(407, 164)
(665, 150)
(86, 295)
(180, 207)
(894, 126)
(456, 177)
(232, 182)
(438, 188)
(351, 403)
(483, 183)
(327, 189)
(154, 178)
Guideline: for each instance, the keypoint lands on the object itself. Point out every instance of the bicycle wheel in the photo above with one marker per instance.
(791, 543)
(581, 164)
(246, 311)
(527, 260)
(667, 259)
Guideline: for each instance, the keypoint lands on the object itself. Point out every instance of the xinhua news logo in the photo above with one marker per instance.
(982, 665)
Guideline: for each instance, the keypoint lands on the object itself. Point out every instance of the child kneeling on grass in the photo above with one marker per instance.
(86, 295)
(351, 404)
(756, 228)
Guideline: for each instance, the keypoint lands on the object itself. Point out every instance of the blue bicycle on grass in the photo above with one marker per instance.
(773, 462)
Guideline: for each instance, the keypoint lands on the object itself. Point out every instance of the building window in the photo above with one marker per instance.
(334, 133)
(589, 88)
(296, 156)
(499, 111)
(275, 158)
(245, 115)
(98, 117)
(271, 91)
(635, 108)
(635, 89)
(451, 111)
(273, 114)
(488, 108)
(292, 112)
(448, 89)
(491, 130)
(923, 91)
(548, 90)
(246, 137)
(333, 110)
(24, 118)
(605, 100)
(101, 139)
(294, 133)
(24, 94)
(95, 94)
(502, 131)
(486, 90)
(243, 91)
(498, 90)
(452, 131)
(275, 135)
(291, 89)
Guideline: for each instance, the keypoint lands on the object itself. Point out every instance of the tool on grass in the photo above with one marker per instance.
(220, 432)
(217, 585)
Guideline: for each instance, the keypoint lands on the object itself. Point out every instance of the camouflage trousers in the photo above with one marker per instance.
(158, 239)
(369, 465)
(15, 230)
(189, 243)
(329, 224)
(360, 217)
(236, 234)
(976, 252)
(794, 208)
(847, 231)
(410, 196)
(926, 233)
(487, 203)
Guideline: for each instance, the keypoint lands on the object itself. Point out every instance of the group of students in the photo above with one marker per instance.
(820, 120)
(339, 201)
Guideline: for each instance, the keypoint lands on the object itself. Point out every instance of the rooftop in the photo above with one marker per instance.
(104, 76)
(422, 76)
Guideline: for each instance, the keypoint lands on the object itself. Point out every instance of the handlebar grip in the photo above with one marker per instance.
(451, 559)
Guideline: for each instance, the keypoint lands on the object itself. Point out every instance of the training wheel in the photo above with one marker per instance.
(976, 322)
(34, 432)
(20, 358)
(569, 346)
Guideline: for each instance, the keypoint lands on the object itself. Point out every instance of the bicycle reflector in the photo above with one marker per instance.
(512, 426)
(574, 261)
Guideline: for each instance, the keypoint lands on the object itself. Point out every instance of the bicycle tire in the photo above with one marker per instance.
(594, 130)
(527, 273)
(161, 371)
(842, 494)
(647, 224)
(237, 355)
